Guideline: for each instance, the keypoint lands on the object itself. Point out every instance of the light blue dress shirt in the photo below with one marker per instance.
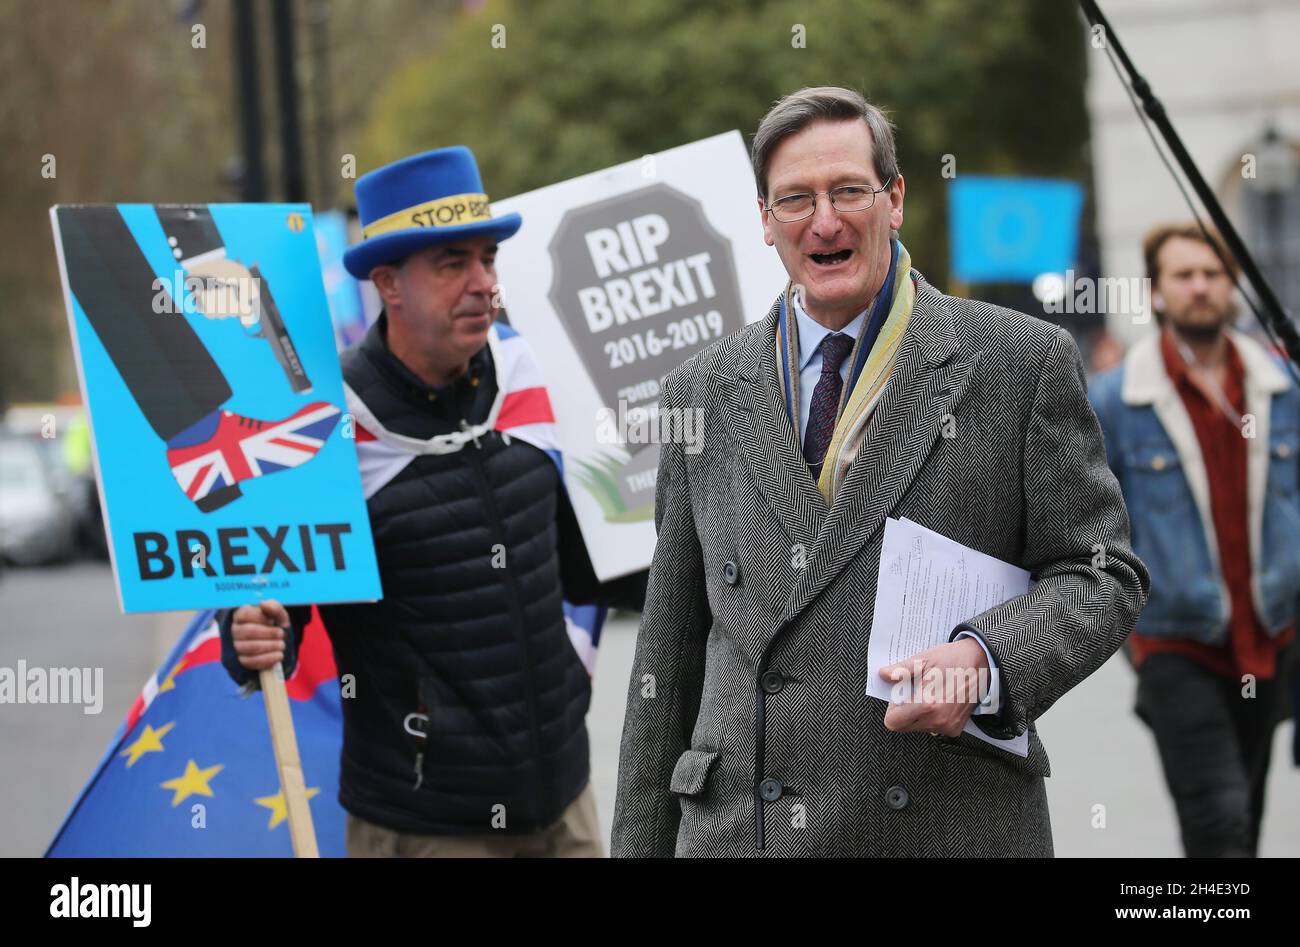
(811, 335)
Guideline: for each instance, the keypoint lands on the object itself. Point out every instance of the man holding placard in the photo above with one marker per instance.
(464, 730)
(865, 394)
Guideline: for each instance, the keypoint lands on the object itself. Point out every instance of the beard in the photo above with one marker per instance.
(1200, 332)
(1201, 329)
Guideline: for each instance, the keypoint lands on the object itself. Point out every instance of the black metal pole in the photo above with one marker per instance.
(252, 184)
(295, 188)
(1272, 306)
(327, 168)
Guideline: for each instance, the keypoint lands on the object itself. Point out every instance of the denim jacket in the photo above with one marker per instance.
(1153, 450)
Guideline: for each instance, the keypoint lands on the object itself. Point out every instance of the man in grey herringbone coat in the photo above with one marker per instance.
(748, 731)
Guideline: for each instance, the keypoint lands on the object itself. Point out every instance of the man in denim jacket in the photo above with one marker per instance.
(1202, 429)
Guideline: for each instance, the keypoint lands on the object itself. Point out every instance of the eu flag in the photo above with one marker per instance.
(1012, 229)
(191, 771)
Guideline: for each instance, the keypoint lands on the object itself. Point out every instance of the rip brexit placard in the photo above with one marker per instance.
(616, 278)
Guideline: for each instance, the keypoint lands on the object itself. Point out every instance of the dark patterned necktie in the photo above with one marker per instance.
(825, 401)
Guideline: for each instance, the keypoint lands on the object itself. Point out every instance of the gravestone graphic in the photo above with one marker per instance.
(642, 282)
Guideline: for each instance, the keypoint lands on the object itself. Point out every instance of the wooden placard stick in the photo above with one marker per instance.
(292, 782)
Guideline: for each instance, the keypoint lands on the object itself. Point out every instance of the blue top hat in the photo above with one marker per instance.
(422, 201)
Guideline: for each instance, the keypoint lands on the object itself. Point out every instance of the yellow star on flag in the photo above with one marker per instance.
(169, 682)
(279, 809)
(193, 782)
(148, 742)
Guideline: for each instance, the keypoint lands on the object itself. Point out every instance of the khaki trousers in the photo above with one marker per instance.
(575, 835)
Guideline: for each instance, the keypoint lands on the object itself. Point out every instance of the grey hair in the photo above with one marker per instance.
(798, 110)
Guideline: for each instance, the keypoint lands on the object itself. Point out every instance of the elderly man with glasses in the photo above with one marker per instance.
(866, 393)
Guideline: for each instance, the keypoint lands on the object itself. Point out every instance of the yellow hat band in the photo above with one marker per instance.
(443, 212)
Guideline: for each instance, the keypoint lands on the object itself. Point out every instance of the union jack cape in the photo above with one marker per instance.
(522, 410)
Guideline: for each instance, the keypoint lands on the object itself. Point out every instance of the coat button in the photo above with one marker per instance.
(730, 572)
(1284, 450)
(770, 789)
(1158, 462)
(896, 797)
(773, 682)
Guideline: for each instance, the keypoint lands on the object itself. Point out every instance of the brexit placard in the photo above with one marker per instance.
(616, 278)
(225, 458)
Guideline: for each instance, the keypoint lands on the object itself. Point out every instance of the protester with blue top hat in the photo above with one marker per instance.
(465, 733)
(418, 202)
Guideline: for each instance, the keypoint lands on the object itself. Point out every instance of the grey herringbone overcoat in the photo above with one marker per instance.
(748, 731)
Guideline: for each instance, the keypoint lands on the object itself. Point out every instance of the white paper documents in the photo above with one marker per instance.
(929, 584)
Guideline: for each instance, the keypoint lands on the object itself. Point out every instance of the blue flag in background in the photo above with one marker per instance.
(342, 291)
(1012, 229)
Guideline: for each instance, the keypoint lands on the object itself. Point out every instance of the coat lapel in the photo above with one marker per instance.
(761, 426)
(928, 380)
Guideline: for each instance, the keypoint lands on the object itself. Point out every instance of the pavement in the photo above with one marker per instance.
(68, 617)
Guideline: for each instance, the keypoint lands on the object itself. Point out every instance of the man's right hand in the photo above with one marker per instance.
(258, 634)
